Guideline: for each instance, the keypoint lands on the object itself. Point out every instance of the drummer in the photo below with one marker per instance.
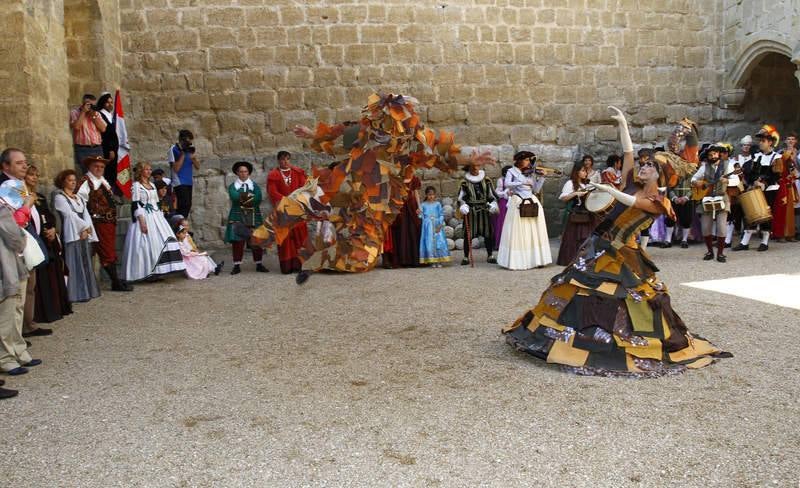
(711, 174)
(758, 174)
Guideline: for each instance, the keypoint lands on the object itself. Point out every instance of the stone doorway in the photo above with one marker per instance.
(773, 93)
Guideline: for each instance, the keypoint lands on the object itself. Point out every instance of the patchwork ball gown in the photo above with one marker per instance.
(607, 313)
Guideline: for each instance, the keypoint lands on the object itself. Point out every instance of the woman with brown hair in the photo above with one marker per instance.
(77, 234)
(524, 243)
(150, 245)
(579, 221)
(52, 300)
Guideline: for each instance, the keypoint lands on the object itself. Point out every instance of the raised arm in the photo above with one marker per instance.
(625, 140)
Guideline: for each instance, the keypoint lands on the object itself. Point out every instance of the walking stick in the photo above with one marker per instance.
(468, 241)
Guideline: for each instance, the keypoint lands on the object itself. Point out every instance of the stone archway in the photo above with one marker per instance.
(772, 93)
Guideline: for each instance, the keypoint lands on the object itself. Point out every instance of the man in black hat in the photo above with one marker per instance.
(713, 209)
(477, 200)
(246, 199)
(97, 192)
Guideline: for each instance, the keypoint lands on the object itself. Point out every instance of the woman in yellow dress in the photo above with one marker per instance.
(607, 313)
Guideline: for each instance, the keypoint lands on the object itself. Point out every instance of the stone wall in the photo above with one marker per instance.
(33, 74)
(94, 47)
(505, 74)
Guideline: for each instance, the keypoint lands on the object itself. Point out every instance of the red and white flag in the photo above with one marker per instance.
(123, 153)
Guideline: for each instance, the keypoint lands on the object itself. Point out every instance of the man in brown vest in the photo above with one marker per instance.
(100, 201)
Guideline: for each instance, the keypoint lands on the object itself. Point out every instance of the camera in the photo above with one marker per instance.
(186, 146)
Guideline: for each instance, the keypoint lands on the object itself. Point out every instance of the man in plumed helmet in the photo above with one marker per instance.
(758, 173)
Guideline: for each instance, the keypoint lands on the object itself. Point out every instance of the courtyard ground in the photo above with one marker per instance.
(396, 378)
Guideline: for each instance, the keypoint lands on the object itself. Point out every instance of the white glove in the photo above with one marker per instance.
(624, 198)
(464, 209)
(493, 208)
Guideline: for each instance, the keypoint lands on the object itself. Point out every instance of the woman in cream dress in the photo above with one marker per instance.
(524, 243)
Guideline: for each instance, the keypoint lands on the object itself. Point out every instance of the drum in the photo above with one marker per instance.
(755, 208)
(599, 203)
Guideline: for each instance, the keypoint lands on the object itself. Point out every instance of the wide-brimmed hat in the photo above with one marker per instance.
(90, 160)
(768, 131)
(239, 164)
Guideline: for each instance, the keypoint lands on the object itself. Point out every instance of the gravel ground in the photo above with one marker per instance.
(395, 378)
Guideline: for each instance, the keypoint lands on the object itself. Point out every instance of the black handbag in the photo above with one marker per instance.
(528, 208)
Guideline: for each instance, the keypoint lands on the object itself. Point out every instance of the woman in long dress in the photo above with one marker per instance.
(77, 234)
(150, 245)
(607, 313)
(524, 243)
(406, 226)
(52, 299)
(579, 221)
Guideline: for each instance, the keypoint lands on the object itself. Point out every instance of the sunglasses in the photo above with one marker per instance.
(648, 163)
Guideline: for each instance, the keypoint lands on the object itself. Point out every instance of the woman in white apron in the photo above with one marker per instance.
(524, 243)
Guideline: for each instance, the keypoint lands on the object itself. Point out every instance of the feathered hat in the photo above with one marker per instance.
(769, 131)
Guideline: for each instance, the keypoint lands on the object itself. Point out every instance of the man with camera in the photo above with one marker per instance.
(182, 163)
(87, 128)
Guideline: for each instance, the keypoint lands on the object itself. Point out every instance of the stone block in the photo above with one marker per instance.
(261, 17)
(226, 58)
(192, 101)
(183, 40)
(359, 54)
(225, 17)
(218, 36)
(343, 34)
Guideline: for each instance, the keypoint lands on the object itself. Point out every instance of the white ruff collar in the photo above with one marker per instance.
(475, 178)
(247, 184)
(97, 182)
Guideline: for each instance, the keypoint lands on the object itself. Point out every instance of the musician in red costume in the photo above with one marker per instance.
(282, 181)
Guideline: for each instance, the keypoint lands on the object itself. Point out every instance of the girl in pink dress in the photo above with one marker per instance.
(198, 264)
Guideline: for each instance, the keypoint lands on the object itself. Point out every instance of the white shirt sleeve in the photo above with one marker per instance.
(83, 191)
(171, 155)
(699, 174)
(566, 190)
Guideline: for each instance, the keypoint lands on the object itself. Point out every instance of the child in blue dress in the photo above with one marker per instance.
(433, 242)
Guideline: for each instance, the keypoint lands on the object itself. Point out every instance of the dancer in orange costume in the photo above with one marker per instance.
(359, 196)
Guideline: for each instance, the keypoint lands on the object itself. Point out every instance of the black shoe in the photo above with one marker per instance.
(762, 248)
(666, 245)
(302, 277)
(709, 256)
(727, 245)
(464, 261)
(32, 363)
(41, 331)
(236, 269)
(6, 393)
(722, 258)
(218, 269)
(741, 247)
(261, 269)
(684, 245)
(17, 371)
(491, 260)
(121, 286)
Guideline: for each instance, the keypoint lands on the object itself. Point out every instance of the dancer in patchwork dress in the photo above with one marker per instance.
(608, 313)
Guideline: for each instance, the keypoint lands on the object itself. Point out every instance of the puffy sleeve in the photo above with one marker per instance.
(70, 224)
(566, 190)
(538, 183)
(500, 189)
(699, 174)
(137, 194)
(439, 214)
